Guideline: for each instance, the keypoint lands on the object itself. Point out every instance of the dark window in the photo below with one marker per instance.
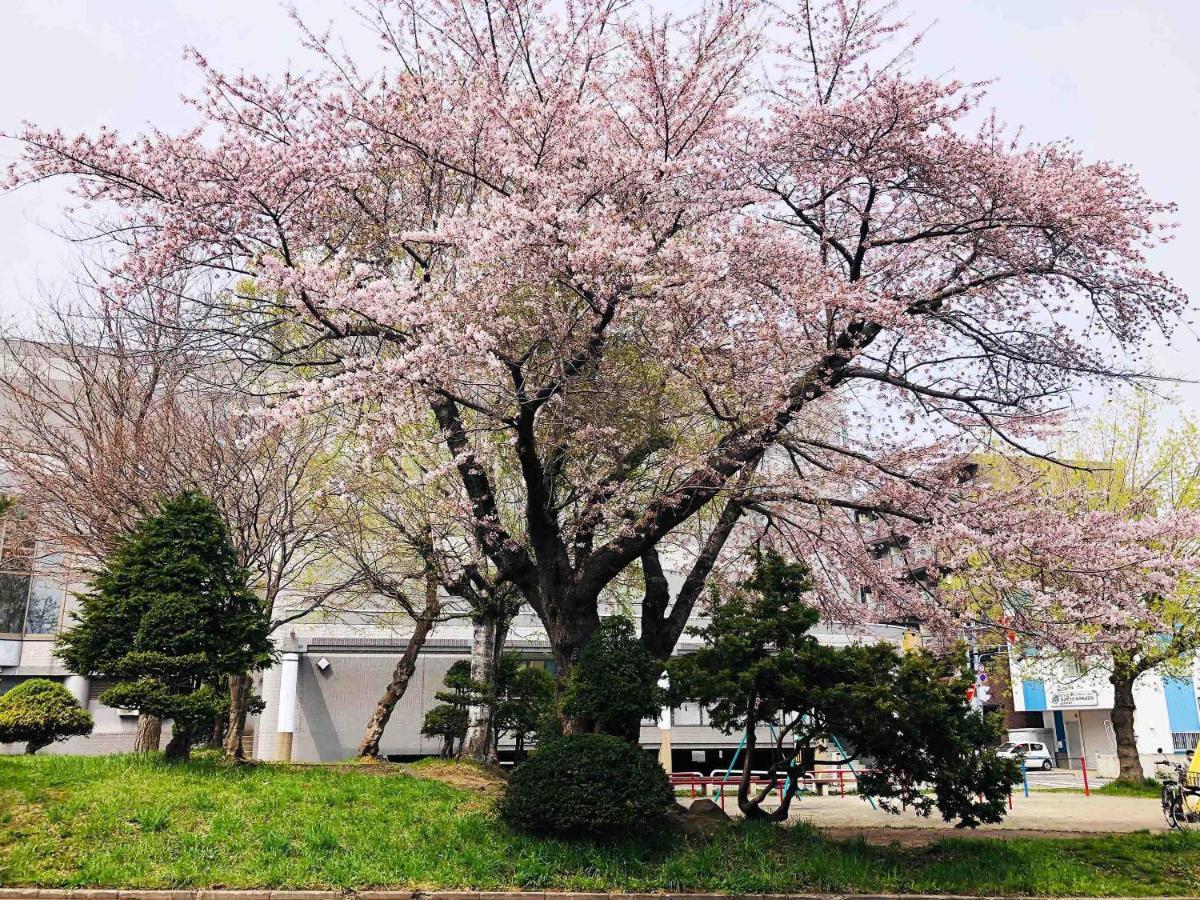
(14, 594)
(45, 605)
(31, 585)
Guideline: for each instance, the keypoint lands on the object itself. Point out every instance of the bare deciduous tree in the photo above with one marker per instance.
(110, 408)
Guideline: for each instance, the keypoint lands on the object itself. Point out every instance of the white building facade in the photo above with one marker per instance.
(1075, 703)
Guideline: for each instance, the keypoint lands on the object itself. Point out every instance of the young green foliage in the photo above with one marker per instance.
(170, 616)
(39, 712)
(614, 683)
(905, 715)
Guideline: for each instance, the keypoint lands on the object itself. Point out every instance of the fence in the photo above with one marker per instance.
(1058, 776)
(719, 779)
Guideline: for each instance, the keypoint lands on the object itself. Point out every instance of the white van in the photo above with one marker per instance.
(1036, 754)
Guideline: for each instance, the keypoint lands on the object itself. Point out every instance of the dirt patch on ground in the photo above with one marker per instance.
(464, 775)
(923, 837)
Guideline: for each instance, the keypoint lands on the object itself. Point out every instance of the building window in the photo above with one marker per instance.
(1185, 741)
(31, 586)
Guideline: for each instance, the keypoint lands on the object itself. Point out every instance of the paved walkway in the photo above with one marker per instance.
(1043, 813)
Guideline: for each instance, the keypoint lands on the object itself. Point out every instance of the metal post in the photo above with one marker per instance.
(1025, 777)
(732, 763)
(1086, 791)
(850, 765)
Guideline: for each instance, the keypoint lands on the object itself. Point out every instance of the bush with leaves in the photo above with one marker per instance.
(906, 712)
(614, 683)
(450, 718)
(587, 785)
(525, 703)
(170, 618)
(448, 723)
(39, 712)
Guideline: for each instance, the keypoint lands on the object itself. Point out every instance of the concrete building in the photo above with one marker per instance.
(1073, 705)
(330, 671)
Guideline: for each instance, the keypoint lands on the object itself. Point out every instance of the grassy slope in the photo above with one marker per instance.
(136, 823)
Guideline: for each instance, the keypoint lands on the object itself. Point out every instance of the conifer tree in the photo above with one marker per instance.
(170, 617)
(449, 719)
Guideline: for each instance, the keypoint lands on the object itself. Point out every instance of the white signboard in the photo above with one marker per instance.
(1073, 697)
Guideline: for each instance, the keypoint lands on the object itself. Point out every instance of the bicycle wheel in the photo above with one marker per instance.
(1187, 815)
(1170, 805)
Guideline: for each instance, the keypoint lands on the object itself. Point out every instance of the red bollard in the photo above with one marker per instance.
(1086, 791)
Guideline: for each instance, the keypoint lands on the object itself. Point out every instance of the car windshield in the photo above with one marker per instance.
(1008, 746)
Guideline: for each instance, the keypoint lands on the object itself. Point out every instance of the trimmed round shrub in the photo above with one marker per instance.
(40, 712)
(587, 785)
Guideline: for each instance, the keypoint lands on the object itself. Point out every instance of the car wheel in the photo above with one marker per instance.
(1046, 765)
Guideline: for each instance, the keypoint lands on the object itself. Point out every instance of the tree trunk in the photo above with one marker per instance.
(749, 808)
(405, 666)
(149, 734)
(568, 634)
(179, 747)
(1122, 720)
(239, 694)
(478, 741)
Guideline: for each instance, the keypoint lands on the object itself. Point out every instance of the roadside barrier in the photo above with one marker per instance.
(1077, 776)
(718, 780)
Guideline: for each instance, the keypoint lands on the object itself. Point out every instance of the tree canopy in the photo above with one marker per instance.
(903, 716)
(169, 617)
(614, 283)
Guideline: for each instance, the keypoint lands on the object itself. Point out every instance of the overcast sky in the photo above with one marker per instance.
(1119, 77)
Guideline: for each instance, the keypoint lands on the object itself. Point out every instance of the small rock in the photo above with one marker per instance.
(703, 808)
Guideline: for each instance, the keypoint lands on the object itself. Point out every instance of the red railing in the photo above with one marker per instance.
(699, 783)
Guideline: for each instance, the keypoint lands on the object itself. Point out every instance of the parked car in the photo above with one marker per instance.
(1036, 755)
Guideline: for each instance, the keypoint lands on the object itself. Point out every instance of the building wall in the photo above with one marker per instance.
(1086, 698)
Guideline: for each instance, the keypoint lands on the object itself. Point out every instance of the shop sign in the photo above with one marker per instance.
(1073, 697)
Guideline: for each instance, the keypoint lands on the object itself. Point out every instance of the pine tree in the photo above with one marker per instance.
(903, 716)
(449, 719)
(170, 617)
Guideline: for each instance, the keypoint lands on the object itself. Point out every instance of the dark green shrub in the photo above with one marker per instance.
(587, 785)
(39, 712)
(614, 683)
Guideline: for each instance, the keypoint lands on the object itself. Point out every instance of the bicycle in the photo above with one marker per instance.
(1180, 795)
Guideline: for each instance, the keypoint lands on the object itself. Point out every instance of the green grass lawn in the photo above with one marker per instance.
(1147, 787)
(124, 821)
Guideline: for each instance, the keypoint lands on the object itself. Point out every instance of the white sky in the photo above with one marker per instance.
(1120, 77)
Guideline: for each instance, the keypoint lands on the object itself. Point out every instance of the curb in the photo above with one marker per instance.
(32, 893)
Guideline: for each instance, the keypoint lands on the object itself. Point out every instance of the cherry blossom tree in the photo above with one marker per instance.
(639, 282)
(1120, 559)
